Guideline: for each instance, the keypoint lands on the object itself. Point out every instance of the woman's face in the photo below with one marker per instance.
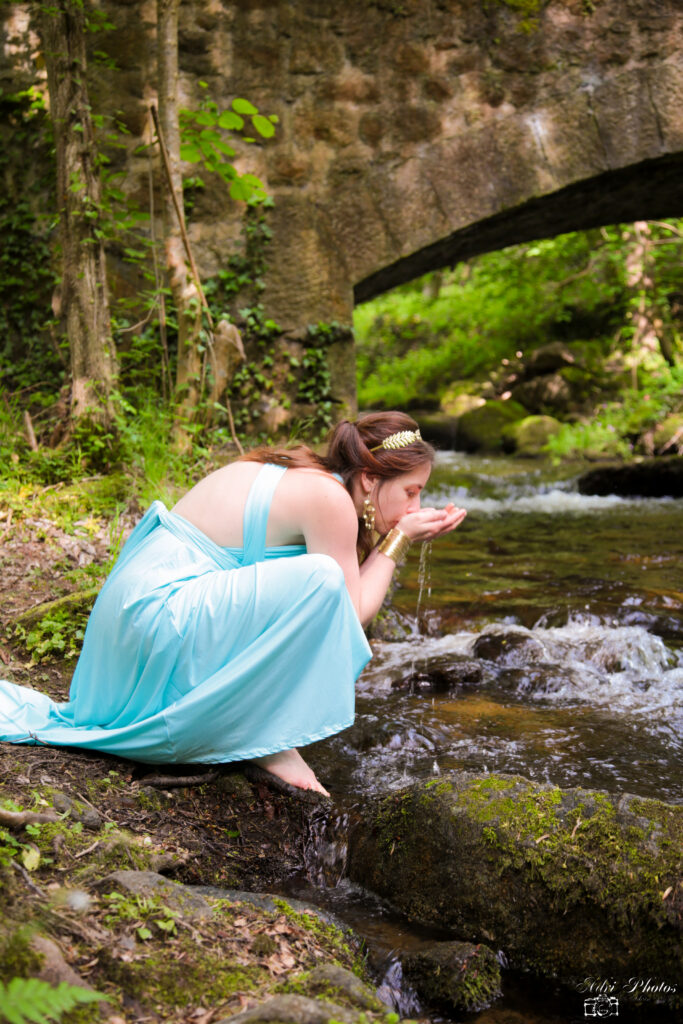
(395, 497)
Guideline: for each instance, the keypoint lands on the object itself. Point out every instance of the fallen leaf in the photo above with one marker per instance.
(30, 856)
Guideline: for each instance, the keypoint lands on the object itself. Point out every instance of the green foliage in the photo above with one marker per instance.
(414, 341)
(618, 424)
(204, 135)
(142, 911)
(30, 999)
(58, 635)
(315, 385)
(9, 848)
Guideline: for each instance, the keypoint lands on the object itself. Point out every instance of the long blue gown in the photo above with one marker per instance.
(195, 652)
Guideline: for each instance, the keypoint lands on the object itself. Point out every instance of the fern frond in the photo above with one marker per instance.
(30, 999)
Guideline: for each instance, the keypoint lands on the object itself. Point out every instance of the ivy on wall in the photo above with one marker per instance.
(30, 357)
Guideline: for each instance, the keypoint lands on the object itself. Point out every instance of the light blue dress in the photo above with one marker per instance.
(195, 652)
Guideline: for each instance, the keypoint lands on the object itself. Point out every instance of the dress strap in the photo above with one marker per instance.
(256, 511)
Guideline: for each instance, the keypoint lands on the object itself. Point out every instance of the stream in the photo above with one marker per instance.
(543, 638)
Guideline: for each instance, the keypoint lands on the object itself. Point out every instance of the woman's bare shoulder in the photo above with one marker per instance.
(306, 494)
(313, 481)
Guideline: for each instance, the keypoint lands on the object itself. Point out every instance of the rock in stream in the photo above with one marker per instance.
(567, 883)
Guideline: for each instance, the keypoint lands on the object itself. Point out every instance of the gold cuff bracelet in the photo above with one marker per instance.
(395, 545)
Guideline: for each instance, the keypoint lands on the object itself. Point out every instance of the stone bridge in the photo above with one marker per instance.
(417, 133)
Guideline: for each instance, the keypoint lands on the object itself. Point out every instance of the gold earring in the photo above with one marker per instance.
(369, 511)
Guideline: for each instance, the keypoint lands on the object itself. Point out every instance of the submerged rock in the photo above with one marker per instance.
(455, 975)
(568, 883)
(441, 675)
(508, 648)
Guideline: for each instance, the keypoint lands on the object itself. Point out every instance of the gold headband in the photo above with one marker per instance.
(399, 440)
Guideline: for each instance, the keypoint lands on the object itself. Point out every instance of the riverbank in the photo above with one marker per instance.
(95, 861)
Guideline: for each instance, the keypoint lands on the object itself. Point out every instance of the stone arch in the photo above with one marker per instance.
(415, 133)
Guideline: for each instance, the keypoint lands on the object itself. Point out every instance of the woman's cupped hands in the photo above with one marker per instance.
(430, 523)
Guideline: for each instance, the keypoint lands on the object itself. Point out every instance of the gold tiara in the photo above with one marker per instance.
(399, 440)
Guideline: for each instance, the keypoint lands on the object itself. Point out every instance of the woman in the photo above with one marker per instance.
(231, 627)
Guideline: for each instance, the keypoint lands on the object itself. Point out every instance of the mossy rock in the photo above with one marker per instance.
(483, 429)
(531, 435)
(455, 975)
(549, 358)
(568, 883)
(293, 1009)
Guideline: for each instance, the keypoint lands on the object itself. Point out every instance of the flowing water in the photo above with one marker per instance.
(544, 637)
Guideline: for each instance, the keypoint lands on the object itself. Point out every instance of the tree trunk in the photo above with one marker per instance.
(84, 294)
(648, 334)
(183, 288)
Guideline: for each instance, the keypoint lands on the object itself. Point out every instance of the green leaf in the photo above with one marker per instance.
(231, 121)
(224, 148)
(244, 107)
(144, 933)
(209, 136)
(190, 152)
(263, 126)
(206, 147)
(30, 999)
(240, 189)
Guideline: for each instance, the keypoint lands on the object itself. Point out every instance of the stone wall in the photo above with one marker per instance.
(415, 133)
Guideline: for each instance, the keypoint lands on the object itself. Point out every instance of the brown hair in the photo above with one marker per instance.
(349, 452)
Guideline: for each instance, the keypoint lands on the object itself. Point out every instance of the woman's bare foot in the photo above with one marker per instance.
(290, 766)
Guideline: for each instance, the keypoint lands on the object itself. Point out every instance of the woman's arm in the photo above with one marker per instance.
(377, 569)
(329, 524)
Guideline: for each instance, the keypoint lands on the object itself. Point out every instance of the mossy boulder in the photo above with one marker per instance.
(531, 435)
(483, 429)
(548, 394)
(327, 993)
(568, 883)
(549, 358)
(455, 975)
